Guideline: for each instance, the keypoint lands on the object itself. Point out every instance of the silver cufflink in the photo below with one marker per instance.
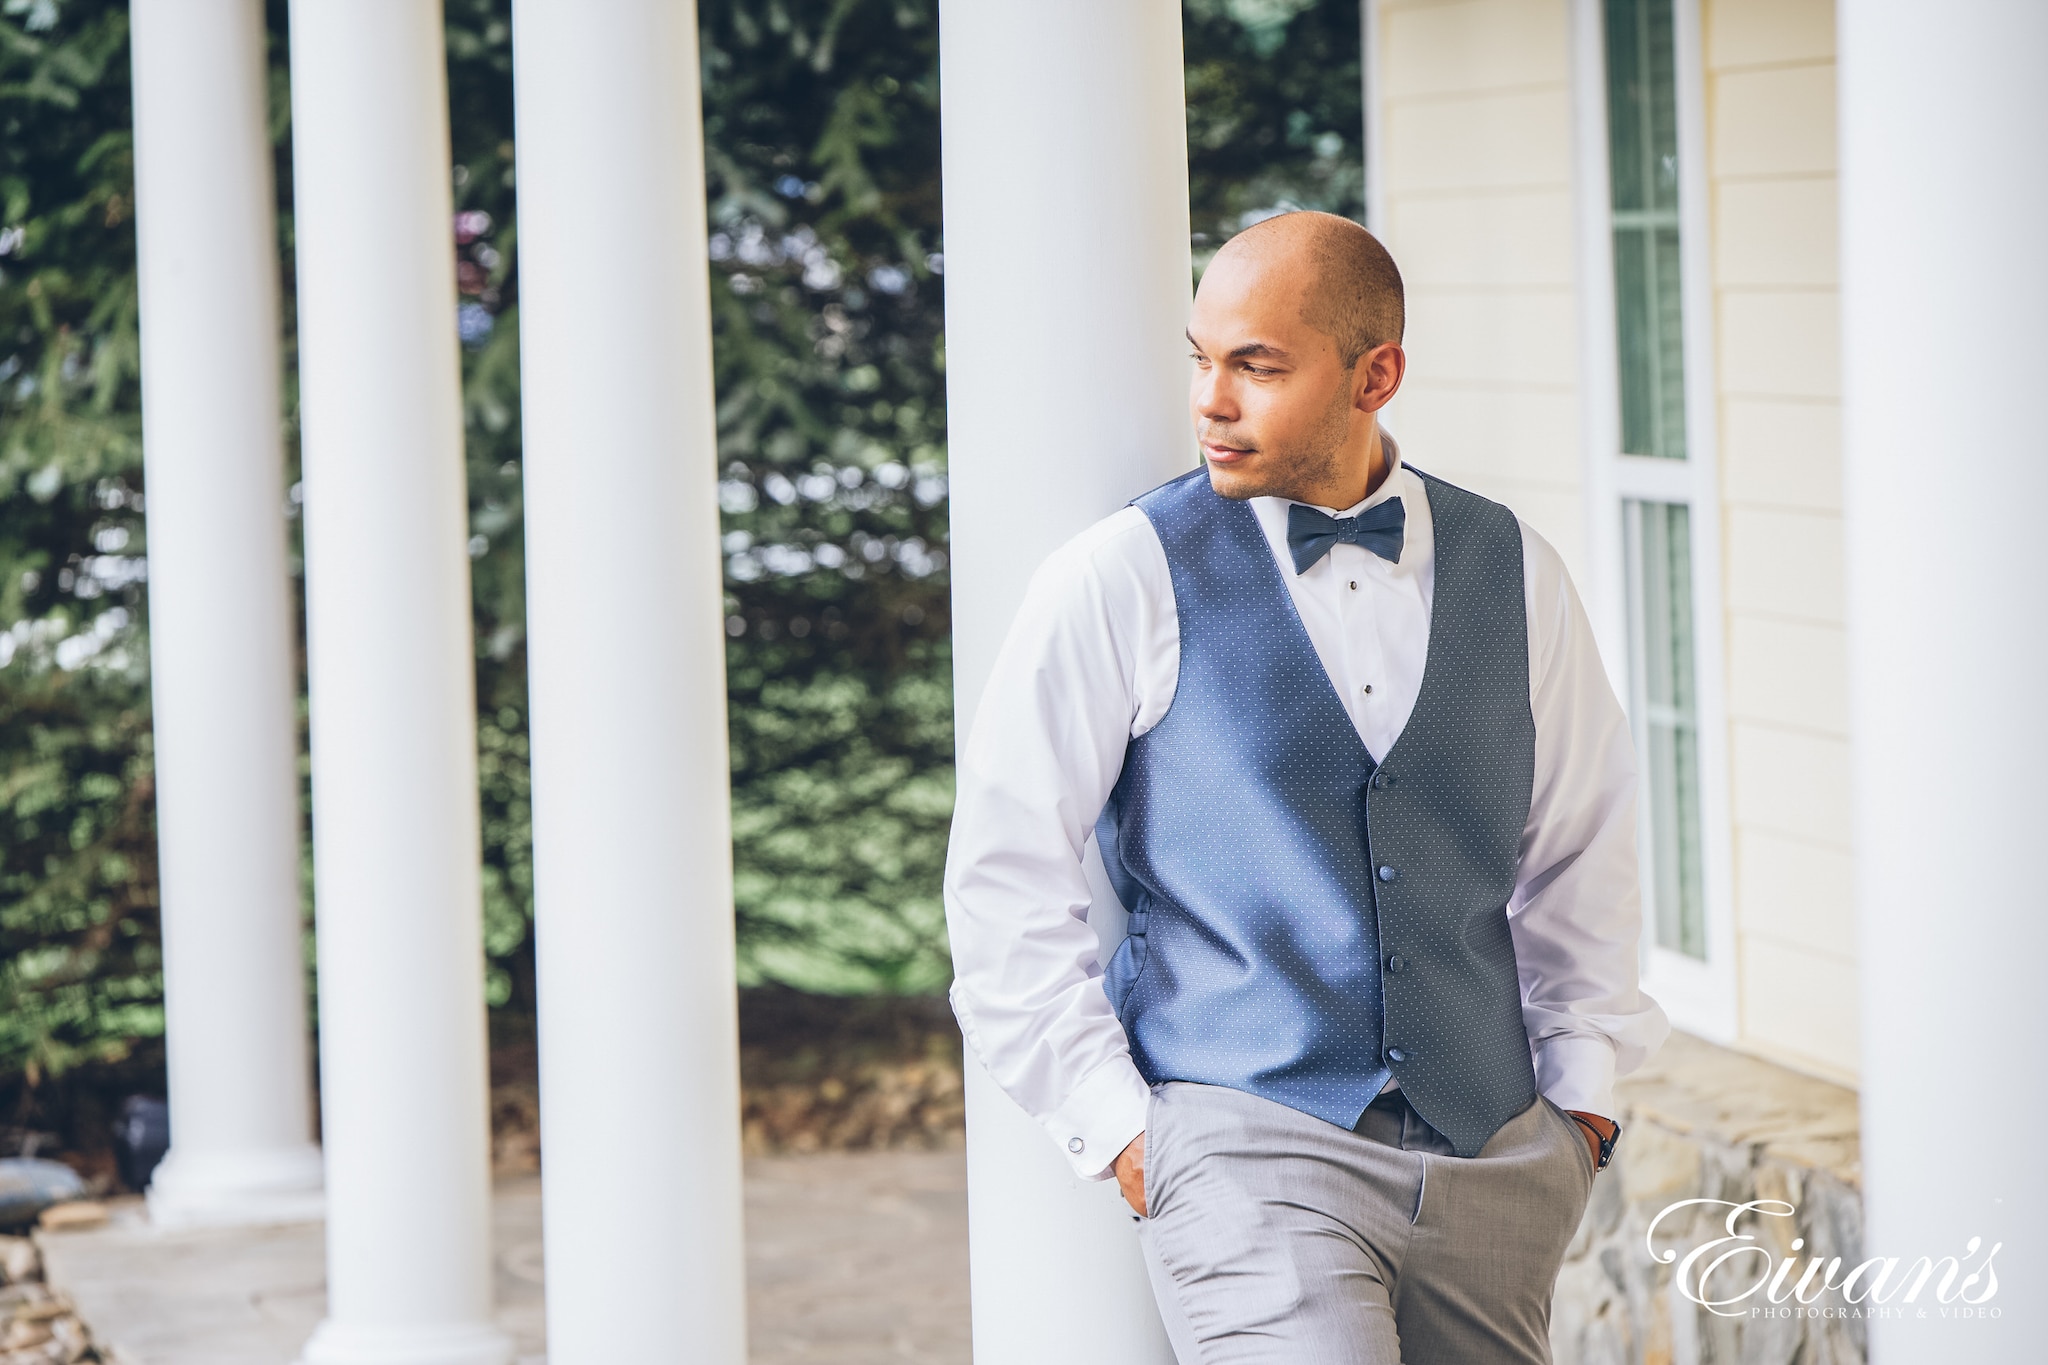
(1074, 1144)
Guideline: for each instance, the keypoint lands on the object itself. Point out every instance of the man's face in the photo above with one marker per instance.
(1273, 403)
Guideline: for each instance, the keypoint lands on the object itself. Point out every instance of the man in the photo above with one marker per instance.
(1344, 742)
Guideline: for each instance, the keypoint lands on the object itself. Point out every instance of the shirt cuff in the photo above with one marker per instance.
(1101, 1117)
(1576, 1070)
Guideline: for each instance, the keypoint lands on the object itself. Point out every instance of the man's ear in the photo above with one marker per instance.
(1377, 376)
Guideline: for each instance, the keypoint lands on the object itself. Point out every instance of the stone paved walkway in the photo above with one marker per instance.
(852, 1259)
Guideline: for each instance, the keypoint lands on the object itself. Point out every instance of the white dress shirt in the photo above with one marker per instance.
(1091, 663)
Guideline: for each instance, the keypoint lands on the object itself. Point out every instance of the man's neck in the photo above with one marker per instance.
(1341, 492)
(1377, 465)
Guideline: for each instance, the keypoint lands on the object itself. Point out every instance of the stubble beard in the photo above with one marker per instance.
(1316, 460)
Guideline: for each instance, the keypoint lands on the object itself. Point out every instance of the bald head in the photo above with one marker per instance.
(1296, 343)
(1347, 283)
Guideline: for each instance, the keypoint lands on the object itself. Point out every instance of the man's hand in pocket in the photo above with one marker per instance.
(1130, 1173)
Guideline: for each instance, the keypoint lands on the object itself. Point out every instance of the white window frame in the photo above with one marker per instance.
(1701, 997)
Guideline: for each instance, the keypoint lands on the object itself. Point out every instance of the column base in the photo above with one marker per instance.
(237, 1189)
(335, 1343)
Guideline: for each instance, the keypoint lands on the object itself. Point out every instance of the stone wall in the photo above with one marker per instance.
(1706, 1123)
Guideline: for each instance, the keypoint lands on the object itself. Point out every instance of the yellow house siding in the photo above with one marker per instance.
(1475, 98)
(1774, 121)
(1776, 232)
(1756, 33)
(1472, 46)
(1785, 565)
(1474, 103)
(1771, 171)
(1781, 453)
(1790, 1014)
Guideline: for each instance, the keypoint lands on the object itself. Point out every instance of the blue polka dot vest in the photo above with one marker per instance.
(1306, 919)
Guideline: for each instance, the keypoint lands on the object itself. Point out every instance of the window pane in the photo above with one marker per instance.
(1627, 154)
(1642, 105)
(1642, 122)
(1659, 546)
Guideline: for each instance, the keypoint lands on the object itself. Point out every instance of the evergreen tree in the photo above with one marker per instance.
(822, 131)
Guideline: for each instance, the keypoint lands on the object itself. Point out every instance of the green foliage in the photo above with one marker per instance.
(821, 119)
(78, 956)
(485, 240)
(822, 152)
(1274, 112)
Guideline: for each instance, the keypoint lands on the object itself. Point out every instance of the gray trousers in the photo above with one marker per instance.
(1273, 1236)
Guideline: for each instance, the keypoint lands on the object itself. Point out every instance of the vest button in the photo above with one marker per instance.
(1395, 1054)
(1396, 963)
(1379, 781)
(1388, 874)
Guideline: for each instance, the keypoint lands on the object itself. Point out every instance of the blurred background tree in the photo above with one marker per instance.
(821, 125)
(79, 976)
(1275, 113)
(822, 130)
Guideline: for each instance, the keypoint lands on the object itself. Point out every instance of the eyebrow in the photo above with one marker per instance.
(1246, 351)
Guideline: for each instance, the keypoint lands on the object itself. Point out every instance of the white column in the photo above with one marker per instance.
(1944, 135)
(631, 783)
(393, 695)
(221, 668)
(1067, 293)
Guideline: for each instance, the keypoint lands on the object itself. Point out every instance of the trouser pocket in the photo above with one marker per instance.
(1582, 1153)
(1147, 1177)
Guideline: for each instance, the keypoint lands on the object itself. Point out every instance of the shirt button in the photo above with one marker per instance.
(1387, 874)
(1368, 689)
(1354, 585)
(1395, 962)
(1074, 1144)
(1395, 1054)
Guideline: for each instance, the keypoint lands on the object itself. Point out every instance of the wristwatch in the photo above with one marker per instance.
(1606, 1140)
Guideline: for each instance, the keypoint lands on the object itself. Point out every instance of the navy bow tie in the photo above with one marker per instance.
(1379, 528)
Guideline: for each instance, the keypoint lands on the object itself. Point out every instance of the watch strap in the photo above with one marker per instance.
(1606, 1140)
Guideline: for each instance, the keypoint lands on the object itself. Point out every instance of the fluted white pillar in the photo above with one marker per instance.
(1944, 136)
(1067, 293)
(221, 666)
(393, 695)
(632, 826)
